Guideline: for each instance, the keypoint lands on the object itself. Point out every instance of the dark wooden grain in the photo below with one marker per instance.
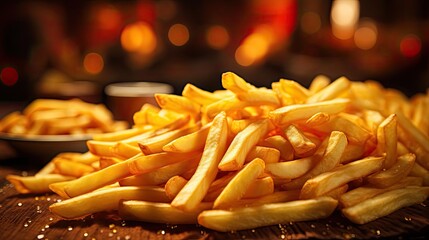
(28, 217)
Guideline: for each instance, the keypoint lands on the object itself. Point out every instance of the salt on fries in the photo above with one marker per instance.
(247, 157)
(60, 117)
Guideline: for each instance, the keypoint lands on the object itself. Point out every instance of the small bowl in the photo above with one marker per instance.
(42, 148)
(126, 98)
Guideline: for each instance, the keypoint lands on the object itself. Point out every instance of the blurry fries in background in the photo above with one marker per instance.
(247, 157)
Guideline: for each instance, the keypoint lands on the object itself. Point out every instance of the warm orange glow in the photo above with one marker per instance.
(9, 76)
(310, 22)
(109, 17)
(366, 35)
(410, 46)
(344, 16)
(255, 47)
(93, 63)
(178, 34)
(138, 37)
(217, 37)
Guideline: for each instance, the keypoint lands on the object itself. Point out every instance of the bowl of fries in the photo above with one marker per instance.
(47, 127)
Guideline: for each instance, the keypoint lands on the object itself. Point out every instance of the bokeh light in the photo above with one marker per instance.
(139, 37)
(366, 35)
(410, 46)
(344, 16)
(217, 37)
(93, 63)
(9, 76)
(178, 34)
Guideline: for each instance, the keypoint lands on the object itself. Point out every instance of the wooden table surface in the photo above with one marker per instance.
(28, 217)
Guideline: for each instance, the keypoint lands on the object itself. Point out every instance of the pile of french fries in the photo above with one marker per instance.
(246, 157)
(61, 117)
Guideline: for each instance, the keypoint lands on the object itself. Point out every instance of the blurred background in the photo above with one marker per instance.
(66, 49)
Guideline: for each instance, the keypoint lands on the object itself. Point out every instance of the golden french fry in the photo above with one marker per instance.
(274, 213)
(385, 203)
(282, 145)
(331, 91)
(319, 83)
(301, 144)
(174, 185)
(259, 96)
(363, 193)
(330, 158)
(71, 168)
(101, 148)
(126, 150)
(259, 188)
(189, 143)
(290, 169)
(196, 188)
(269, 155)
(294, 90)
(328, 181)
(387, 140)
(317, 119)
(141, 117)
(155, 144)
(287, 114)
(239, 184)
(161, 175)
(242, 144)
(108, 161)
(35, 184)
(177, 103)
(235, 83)
(400, 169)
(199, 96)
(226, 104)
(275, 197)
(148, 163)
(157, 212)
(105, 200)
(421, 138)
(239, 125)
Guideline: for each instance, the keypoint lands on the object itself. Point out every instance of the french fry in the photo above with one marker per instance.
(235, 83)
(196, 188)
(387, 140)
(259, 96)
(328, 181)
(239, 184)
(259, 188)
(36, 184)
(275, 197)
(9, 120)
(269, 155)
(290, 169)
(119, 135)
(108, 161)
(198, 95)
(105, 200)
(71, 168)
(287, 114)
(419, 171)
(189, 143)
(155, 144)
(330, 91)
(398, 171)
(282, 145)
(126, 150)
(302, 146)
(330, 157)
(421, 138)
(363, 193)
(177, 103)
(174, 185)
(319, 83)
(241, 145)
(250, 217)
(385, 203)
(227, 104)
(159, 212)
(317, 119)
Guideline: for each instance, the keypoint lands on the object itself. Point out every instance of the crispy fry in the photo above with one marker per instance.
(385, 203)
(398, 171)
(330, 91)
(235, 83)
(174, 185)
(198, 95)
(242, 144)
(105, 200)
(269, 155)
(302, 146)
(287, 114)
(71, 168)
(387, 140)
(196, 188)
(177, 103)
(250, 217)
(189, 143)
(36, 184)
(282, 145)
(290, 169)
(328, 181)
(239, 184)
